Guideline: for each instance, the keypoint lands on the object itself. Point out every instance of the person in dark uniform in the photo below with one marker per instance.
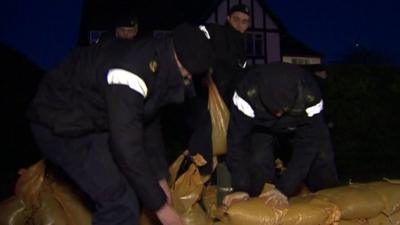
(272, 101)
(228, 43)
(96, 116)
(126, 26)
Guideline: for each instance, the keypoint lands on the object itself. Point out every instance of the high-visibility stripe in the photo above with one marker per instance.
(315, 109)
(243, 106)
(124, 77)
(205, 31)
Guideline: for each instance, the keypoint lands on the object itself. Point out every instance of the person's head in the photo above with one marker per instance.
(126, 27)
(193, 51)
(238, 17)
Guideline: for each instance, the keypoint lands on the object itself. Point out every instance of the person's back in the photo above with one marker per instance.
(273, 100)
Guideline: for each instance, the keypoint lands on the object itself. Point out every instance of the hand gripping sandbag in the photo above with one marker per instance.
(219, 113)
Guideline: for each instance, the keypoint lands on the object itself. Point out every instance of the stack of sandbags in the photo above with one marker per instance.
(368, 203)
(310, 210)
(304, 210)
(390, 194)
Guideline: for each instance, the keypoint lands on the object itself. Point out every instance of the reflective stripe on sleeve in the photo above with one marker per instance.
(242, 105)
(315, 109)
(124, 77)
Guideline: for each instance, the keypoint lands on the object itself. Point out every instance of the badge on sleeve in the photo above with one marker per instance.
(153, 66)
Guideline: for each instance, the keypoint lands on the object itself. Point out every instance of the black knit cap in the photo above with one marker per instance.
(126, 19)
(239, 8)
(193, 48)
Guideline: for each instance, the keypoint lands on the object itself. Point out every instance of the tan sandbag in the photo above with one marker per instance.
(196, 216)
(219, 113)
(219, 223)
(354, 222)
(389, 192)
(354, 201)
(253, 212)
(310, 210)
(186, 193)
(187, 189)
(209, 200)
(174, 168)
(29, 184)
(72, 203)
(50, 211)
(14, 212)
(395, 218)
(380, 219)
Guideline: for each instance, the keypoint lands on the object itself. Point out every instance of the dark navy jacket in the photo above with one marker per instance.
(116, 87)
(249, 113)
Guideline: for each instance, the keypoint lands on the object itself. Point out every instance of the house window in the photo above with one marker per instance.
(258, 45)
(249, 44)
(254, 42)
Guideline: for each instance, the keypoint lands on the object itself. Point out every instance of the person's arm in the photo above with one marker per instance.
(125, 112)
(309, 140)
(240, 126)
(155, 151)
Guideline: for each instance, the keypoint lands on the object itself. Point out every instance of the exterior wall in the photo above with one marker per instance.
(273, 49)
(222, 12)
(301, 60)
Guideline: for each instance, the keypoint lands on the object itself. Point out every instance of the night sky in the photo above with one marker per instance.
(45, 30)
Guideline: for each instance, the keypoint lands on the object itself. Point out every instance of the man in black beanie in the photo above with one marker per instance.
(228, 44)
(126, 26)
(96, 116)
(277, 101)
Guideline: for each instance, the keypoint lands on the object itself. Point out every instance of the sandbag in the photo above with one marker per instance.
(187, 189)
(354, 222)
(390, 194)
(186, 192)
(72, 203)
(50, 211)
(219, 113)
(354, 201)
(196, 216)
(14, 212)
(380, 219)
(310, 210)
(209, 200)
(395, 218)
(29, 184)
(253, 212)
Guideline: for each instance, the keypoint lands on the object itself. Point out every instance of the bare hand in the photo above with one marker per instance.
(235, 197)
(168, 216)
(164, 186)
(275, 198)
